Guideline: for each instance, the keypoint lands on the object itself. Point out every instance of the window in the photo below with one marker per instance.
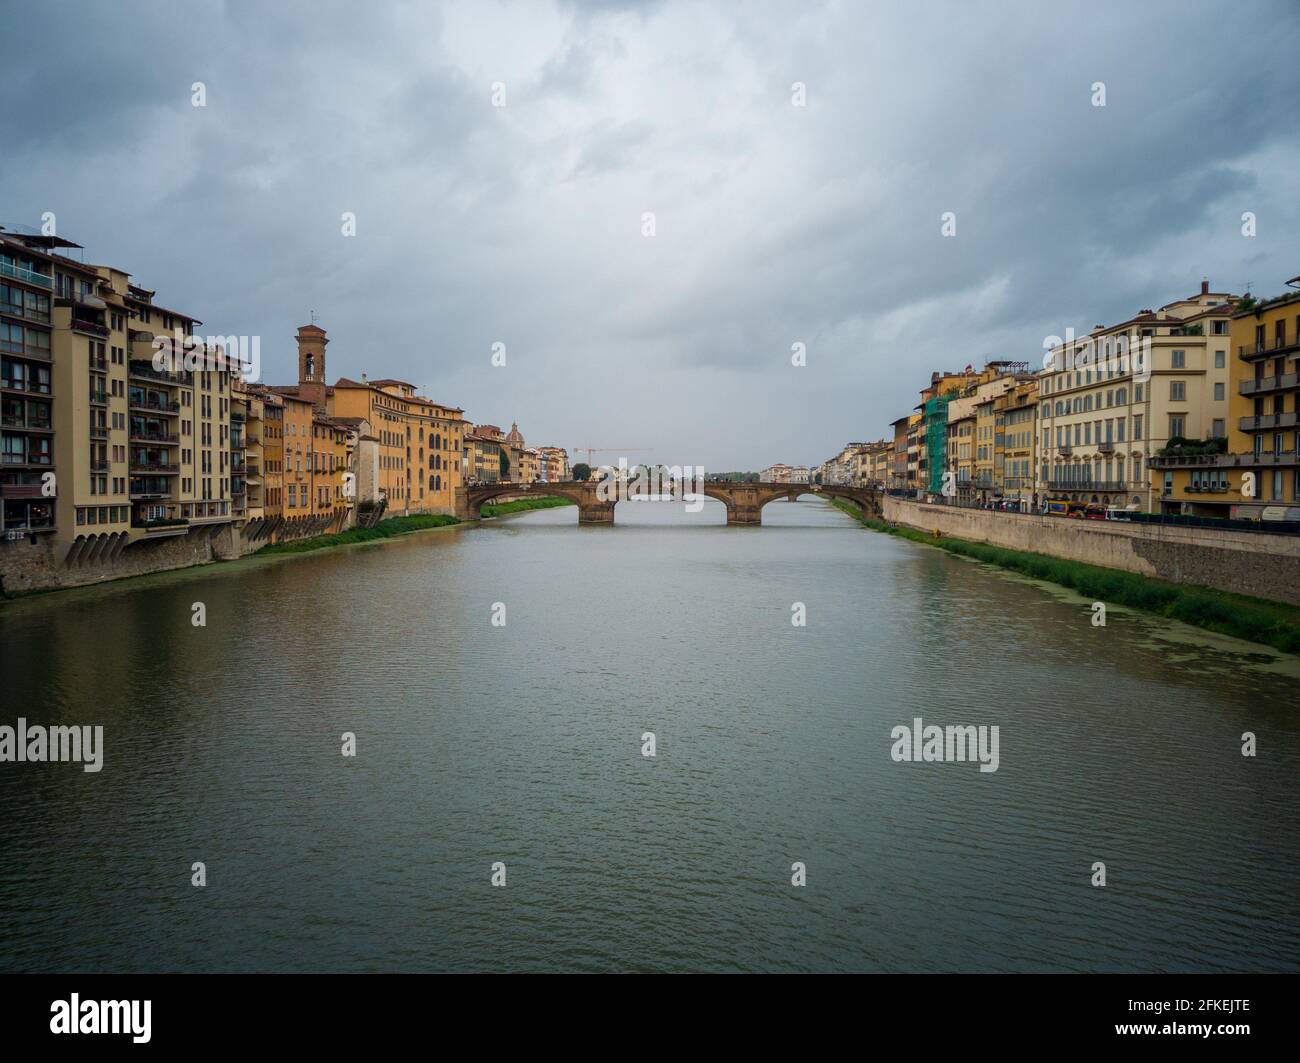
(1179, 360)
(1177, 425)
(1177, 390)
(1218, 392)
(1218, 355)
(1218, 431)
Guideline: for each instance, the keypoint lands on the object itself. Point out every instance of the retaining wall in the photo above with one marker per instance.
(1254, 563)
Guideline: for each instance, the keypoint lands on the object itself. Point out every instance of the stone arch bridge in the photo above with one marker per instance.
(744, 501)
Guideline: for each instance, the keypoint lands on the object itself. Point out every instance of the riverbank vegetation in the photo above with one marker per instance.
(519, 505)
(1269, 623)
(385, 529)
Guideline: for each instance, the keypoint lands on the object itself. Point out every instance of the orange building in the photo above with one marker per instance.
(418, 441)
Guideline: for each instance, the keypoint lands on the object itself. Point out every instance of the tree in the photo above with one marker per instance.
(582, 471)
(505, 465)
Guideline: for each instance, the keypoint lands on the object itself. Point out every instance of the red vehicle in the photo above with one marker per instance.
(1094, 511)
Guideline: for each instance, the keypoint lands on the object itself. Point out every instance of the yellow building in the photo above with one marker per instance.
(1015, 445)
(1259, 475)
(299, 505)
(483, 446)
(1112, 400)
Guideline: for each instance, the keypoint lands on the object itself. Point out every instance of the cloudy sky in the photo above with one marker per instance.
(774, 224)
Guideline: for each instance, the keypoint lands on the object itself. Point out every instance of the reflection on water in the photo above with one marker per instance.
(521, 744)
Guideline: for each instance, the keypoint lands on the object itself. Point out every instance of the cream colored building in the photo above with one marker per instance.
(1112, 399)
(132, 419)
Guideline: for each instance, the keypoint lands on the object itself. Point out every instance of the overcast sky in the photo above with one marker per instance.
(774, 224)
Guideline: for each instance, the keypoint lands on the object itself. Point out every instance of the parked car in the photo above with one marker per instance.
(1094, 511)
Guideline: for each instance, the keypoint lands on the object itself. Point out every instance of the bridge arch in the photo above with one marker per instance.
(475, 498)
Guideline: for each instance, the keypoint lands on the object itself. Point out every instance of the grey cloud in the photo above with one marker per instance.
(774, 223)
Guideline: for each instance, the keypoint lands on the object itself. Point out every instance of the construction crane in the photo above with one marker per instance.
(609, 450)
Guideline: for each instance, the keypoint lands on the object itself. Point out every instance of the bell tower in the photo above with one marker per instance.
(311, 364)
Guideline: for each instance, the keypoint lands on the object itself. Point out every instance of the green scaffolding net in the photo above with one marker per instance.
(935, 418)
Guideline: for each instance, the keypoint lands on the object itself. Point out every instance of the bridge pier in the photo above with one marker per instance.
(596, 513)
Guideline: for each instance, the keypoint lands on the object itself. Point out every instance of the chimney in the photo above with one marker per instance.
(1205, 287)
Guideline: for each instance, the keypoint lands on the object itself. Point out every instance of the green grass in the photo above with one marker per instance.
(385, 529)
(497, 509)
(1269, 623)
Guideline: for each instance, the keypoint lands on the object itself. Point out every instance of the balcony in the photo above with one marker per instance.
(1208, 487)
(159, 406)
(21, 273)
(160, 526)
(146, 371)
(99, 398)
(160, 439)
(1106, 446)
(1268, 420)
(24, 491)
(99, 465)
(88, 327)
(1249, 352)
(1065, 450)
(28, 424)
(1260, 385)
(98, 432)
(156, 468)
(30, 387)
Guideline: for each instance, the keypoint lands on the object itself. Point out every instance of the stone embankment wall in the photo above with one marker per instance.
(1254, 563)
(42, 566)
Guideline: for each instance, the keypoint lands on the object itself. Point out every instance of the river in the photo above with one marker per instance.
(522, 744)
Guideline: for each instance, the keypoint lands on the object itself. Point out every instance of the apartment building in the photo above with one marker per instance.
(331, 450)
(481, 453)
(1258, 474)
(38, 285)
(272, 430)
(530, 465)
(138, 416)
(776, 474)
(1015, 431)
(1265, 423)
(971, 438)
(960, 447)
(298, 415)
(912, 476)
(247, 468)
(898, 466)
(555, 464)
(1111, 401)
(871, 463)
